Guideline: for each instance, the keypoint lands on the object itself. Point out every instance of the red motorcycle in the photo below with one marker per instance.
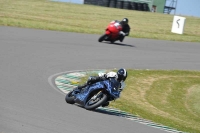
(112, 32)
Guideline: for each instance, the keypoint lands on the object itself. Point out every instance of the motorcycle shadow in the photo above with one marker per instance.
(109, 111)
(120, 44)
(113, 112)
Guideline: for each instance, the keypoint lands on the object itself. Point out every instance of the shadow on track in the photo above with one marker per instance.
(118, 113)
(119, 44)
(109, 111)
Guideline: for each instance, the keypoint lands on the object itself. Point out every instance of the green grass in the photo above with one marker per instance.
(167, 97)
(43, 14)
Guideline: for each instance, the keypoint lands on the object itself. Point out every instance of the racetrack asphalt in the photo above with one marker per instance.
(28, 57)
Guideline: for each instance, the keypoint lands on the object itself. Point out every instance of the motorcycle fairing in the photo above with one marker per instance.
(108, 32)
(110, 85)
(113, 29)
(82, 97)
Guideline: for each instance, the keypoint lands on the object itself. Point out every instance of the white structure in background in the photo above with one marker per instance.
(178, 25)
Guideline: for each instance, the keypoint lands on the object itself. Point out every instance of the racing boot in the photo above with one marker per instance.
(121, 38)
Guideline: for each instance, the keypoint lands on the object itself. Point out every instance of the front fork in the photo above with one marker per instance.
(97, 95)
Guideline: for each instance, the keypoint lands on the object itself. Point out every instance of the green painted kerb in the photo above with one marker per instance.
(70, 80)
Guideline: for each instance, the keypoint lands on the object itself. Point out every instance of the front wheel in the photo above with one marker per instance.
(96, 101)
(102, 38)
(69, 98)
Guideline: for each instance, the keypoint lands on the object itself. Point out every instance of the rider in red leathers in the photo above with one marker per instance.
(125, 28)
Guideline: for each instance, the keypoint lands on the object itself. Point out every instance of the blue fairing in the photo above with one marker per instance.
(110, 85)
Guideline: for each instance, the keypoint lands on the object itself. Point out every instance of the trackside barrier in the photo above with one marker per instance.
(121, 4)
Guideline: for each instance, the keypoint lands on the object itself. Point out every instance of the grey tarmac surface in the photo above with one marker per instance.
(28, 57)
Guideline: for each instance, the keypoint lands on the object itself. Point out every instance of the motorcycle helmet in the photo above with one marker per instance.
(124, 21)
(122, 74)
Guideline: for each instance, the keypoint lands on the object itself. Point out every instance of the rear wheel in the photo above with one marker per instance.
(96, 101)
(69, 98)
(102, 38)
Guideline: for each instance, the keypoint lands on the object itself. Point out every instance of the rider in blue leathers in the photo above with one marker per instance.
(120, 76)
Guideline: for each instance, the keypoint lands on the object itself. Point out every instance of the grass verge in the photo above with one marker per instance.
(44, 14)
(166, 97)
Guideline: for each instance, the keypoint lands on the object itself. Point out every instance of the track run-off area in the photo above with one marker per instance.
(30, 99)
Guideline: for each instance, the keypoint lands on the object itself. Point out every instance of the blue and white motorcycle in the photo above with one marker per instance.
(95, 95)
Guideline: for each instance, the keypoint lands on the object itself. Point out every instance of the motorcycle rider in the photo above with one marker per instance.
(125, 28)
(120, 76)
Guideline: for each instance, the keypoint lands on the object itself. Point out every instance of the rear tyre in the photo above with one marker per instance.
(69, 98)
(92, 104)
(102, 38)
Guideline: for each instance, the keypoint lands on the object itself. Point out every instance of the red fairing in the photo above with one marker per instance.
(114, 29)
(111, 32)
(108, 32)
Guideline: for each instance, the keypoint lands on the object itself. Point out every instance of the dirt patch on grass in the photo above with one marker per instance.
(138, 92)
(190, 93)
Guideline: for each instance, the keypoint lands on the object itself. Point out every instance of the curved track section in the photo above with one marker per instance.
(67, 81)
(28, 57)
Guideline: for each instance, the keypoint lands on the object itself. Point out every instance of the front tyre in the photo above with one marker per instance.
(69, 98)
(92, 104)
(102, 38)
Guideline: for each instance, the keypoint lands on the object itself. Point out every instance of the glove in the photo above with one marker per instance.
(122, 33)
